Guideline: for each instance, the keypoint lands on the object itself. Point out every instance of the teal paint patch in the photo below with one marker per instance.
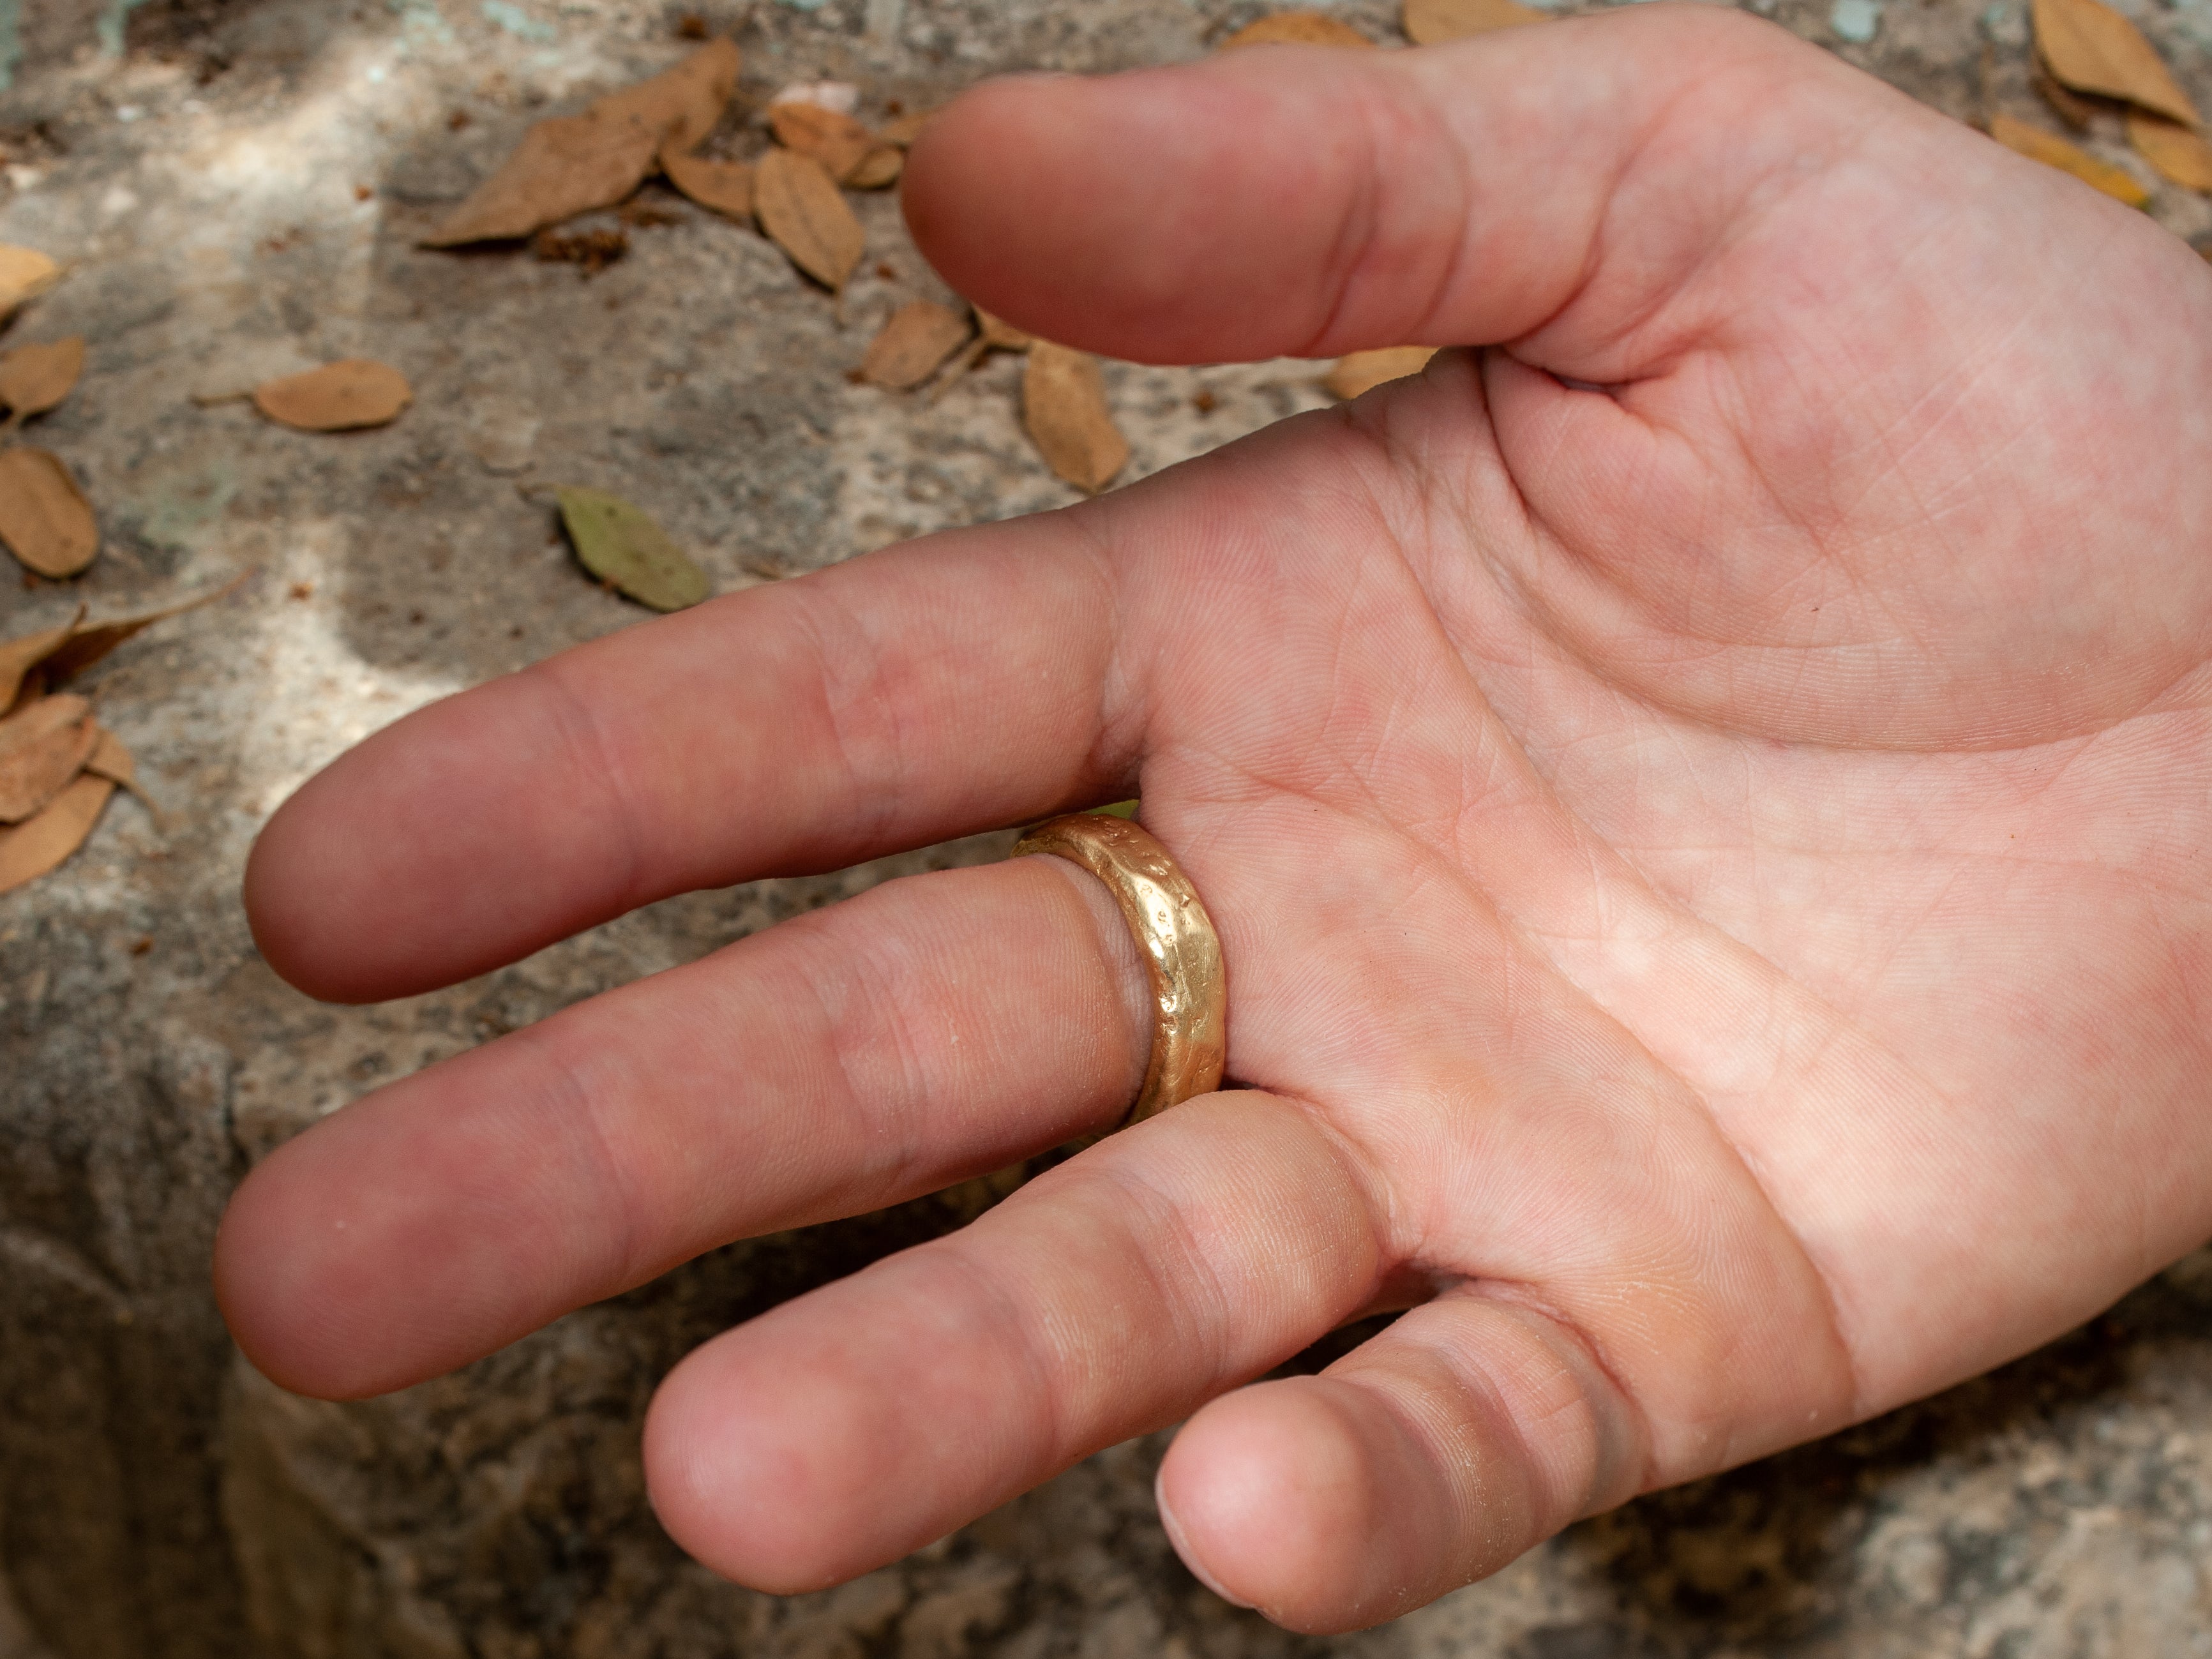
(111, 25)
(1855, 20)
(421, 20)
(189, 504)
(519, 22)
(11, 41)
(805, 5)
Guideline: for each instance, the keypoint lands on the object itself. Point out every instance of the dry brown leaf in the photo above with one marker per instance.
(31, 776)
(1297, 28)
(2051, 150)
(35, 721)
(83, 646)
(726, 187)
(19, 657)
(2178, 154)
(800, 207)
(34, 379)
(978, 349)
(571, 164)
(1363, 371)
(906, 128)
(913, 345)
(2071, 107)
(25, 274)
(45, 519)
(681, 106)
(992, 334)
(80, 646)
(878, 169)
(111, 760)
(32, 848)
(42, 747)
(564, 167)
(2091, 48)
(838, 142)
(1429, 22)
(1064, 406)
(340, 397)
(1000, 334)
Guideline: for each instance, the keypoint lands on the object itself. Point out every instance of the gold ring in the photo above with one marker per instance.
(1176, 938)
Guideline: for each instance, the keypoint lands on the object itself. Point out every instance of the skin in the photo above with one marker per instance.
(1703, 799)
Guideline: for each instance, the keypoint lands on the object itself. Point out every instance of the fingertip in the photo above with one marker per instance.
(335, 883)
(237, 1291)
(1270, 1496)
(689, 1479)
(960, 144)
(1159, 215)
(417, 1230)
(414, 861)
(283, 878)
(269, 1270)
(751, 1475)
(985, 180)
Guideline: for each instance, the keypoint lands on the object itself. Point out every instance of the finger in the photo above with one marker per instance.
(929, 1030)
(1108, 1298)
(1431, 1455)
(931, 691)
(1311, 203)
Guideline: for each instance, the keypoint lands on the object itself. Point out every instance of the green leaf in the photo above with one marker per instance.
(619, 542)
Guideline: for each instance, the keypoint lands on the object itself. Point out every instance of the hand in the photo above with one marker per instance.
(1706, 800)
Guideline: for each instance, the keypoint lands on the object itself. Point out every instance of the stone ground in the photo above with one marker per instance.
(237, 185)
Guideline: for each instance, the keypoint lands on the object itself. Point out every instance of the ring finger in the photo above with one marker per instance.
(929, 1030)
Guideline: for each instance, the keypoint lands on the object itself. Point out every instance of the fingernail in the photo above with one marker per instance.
(1182, 1548)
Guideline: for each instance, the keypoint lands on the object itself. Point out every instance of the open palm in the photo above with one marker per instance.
(1704, 800)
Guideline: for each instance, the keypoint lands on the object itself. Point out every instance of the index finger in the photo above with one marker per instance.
(930, 691)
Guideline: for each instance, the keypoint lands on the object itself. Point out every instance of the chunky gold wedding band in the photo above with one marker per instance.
(1176, 938)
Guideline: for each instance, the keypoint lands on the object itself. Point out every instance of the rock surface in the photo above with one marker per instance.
(238, 185)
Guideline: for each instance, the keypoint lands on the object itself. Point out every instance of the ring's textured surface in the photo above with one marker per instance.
(1177, 939)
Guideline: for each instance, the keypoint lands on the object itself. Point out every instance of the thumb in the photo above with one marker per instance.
(1291, 200)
